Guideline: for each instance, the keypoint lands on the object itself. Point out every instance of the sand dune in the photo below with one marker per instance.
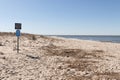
(53, 58)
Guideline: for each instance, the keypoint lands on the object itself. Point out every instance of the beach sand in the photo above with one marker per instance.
(55, 58)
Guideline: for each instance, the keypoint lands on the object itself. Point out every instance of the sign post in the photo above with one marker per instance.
(17, 44)
(18, 27)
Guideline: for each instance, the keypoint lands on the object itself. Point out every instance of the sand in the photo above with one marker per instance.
(55, 58)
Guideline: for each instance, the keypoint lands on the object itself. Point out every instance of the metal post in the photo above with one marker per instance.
(18, 44)
(18, 28)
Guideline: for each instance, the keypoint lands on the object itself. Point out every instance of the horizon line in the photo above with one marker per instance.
(65, 34)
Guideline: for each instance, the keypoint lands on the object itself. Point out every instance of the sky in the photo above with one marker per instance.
(61, 17)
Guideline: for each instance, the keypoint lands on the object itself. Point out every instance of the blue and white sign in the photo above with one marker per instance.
(17, 32)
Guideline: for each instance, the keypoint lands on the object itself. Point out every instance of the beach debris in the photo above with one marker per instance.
(34, 38)
(1, 53)
(1, 44)
(33, 57)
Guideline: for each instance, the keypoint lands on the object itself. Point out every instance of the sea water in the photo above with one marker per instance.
(114, 39)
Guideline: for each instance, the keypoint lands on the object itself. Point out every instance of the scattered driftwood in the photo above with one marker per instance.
(33, 57)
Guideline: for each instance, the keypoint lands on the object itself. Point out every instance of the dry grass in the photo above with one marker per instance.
(7, 34)
(1, 53)
(114, 76)
(76, 53)
(108, 75)
(90, 66)
(84, 61)
(82, 65)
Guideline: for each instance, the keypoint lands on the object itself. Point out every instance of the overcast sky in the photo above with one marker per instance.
(69, 17)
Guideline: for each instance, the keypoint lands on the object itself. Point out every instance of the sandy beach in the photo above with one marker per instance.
(55, 58)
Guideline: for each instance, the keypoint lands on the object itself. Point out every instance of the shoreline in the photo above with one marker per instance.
(83, 39)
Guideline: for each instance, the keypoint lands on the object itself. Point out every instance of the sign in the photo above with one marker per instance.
(17, 33)
(18, 25)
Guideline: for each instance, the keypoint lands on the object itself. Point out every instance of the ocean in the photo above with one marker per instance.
(114, 39)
